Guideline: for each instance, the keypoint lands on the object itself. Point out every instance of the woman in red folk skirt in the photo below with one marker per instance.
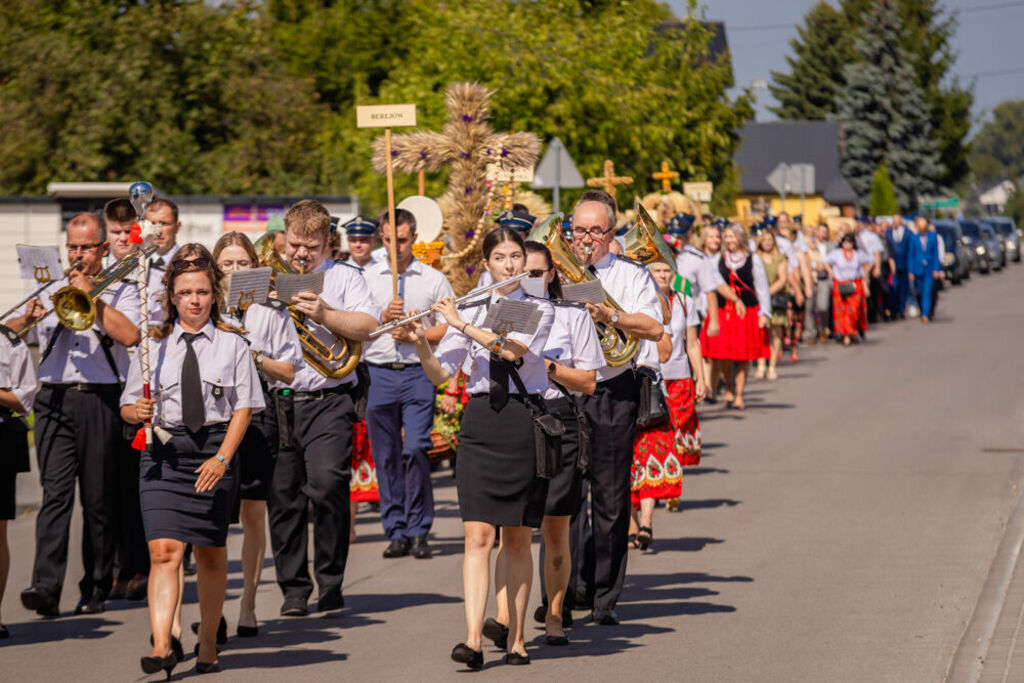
(363, 485)
(744, 332)
(660, 452)
(846, 266)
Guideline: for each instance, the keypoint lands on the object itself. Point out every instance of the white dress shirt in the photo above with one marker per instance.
(870, 242)
(633, 288)
(573, 342)
(694, 265)
(270, 331)
(684, 316)
(456, 350)
(78, 356)
(787, 248)
(846, 269)
(419, 287)
(17, 373)
(229, 378)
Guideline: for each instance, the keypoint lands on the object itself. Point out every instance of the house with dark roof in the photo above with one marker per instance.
(764, 146)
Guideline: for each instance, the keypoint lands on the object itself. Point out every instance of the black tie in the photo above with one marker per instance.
(499, 383)
(158, 263)
(193, 413)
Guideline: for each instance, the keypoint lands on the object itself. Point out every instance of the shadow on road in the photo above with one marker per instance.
(69, 628)
(682, 545)
(685, 504)
(372, 603)
(277, 659)
(690, 471)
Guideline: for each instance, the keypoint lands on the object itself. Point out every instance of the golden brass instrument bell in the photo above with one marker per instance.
(645, 243)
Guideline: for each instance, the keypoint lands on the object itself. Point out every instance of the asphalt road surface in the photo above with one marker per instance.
(840, 529)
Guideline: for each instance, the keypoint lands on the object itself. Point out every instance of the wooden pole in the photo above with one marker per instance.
(422, 182)
(393, 248)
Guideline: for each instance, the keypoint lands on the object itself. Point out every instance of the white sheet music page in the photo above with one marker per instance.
(290, 284)
(589, 292)
(513, 316)
(39, 263)
(248, 287)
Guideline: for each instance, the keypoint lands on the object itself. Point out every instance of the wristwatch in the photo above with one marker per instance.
(257, 358)
(614, 318)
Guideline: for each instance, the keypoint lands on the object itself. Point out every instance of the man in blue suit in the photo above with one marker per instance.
(898, 239)
(923, 265)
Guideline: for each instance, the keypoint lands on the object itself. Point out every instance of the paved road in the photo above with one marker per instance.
(839, 530)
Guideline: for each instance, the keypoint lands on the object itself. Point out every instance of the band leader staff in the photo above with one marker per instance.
(314, 462)
(401, 396)
(613, 406)
(205, 389)
(77, 427)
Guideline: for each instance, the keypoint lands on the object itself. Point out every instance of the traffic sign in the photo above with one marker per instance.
(556, 170)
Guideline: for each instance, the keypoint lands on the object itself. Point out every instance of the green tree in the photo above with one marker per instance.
(997, 150)
(883, 197)
(822, 48)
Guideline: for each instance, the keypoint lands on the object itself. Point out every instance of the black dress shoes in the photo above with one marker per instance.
(248, 631)
(497, 632)
(294, 606)
(90, 605)
(151, 665)
(41, 602)
(463, 654)
(399, 547)
(516, 659)
(541, 613)
(207, 667)
(606, 617)
(330, 599)
(419, 548)
(222, 630)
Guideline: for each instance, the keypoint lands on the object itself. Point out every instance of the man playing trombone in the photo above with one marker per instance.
(78, 426)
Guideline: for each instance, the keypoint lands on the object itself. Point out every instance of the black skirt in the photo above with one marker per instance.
(496, 466)
(171, 506)
(256, 453)
(564, 488)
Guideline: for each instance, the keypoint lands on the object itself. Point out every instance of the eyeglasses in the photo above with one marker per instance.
(72, 248)
(197, 262)
(593, 233)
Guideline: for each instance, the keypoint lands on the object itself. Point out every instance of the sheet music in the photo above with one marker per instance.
(513, 316)
(290, 284)
(247, 287)
(589, 292)
(39, 263)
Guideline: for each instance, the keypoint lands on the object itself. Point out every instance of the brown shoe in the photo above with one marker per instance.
(925, 319)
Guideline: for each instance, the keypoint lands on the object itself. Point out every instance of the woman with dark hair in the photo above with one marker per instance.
(846, 266)
(496, 475)
(204, 390)
(572, 356)
(275, 349)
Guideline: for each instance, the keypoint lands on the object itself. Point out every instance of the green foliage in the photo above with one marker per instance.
(997, 150)
(883, 197)
(1015, 206)
(253, 97)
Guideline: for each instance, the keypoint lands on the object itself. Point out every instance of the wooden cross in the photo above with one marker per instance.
(666, 177)
(608, 180)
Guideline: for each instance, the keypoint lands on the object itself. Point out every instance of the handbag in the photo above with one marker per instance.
(847, 289)
(780, 302)
(653, 408)
(547, 429)
(583, 434)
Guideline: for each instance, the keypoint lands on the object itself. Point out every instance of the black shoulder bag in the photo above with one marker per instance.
(653, 409)
(583, 447)
(547, 429)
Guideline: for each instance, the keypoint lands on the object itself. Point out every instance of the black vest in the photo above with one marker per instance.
(744, 281)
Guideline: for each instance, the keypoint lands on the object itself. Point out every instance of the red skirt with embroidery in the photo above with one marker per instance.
(363, 485)
(660, 453)
(738, 338)
(850, 312)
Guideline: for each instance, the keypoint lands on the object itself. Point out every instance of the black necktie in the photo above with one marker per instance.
(158, 263)
(193, 413)
(499, 383)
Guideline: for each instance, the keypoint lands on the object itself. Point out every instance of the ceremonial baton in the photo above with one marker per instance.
(141, 196)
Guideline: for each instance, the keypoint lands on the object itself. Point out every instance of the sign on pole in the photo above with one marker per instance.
(388, 116)
(556, 170)
(516, 174)
(698, 191)
(792, 179)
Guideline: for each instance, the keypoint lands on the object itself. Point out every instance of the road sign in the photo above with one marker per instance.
(947, 203)
(556, 170)
(698, 192)
(386, 116)
(792, 179)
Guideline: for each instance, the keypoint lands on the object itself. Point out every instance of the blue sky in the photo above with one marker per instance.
(988, 42)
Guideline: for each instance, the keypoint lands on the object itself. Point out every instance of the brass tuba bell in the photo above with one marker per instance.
(644, 242)
(618, 347)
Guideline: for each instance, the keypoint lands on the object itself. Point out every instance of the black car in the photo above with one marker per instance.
(984, 245)
(956, 262)
(1007, 232)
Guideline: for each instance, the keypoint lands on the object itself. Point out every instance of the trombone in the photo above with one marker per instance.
(76, 308)
(39, 290)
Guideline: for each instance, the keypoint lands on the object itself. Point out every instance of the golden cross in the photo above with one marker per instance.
(609, 180)
(666, 177)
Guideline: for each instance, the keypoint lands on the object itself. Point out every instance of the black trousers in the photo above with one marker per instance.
(316, 467)
(78, 436)
(612, 411)
(132, 551)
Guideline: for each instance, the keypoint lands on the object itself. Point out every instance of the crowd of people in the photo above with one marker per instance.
(576, 425)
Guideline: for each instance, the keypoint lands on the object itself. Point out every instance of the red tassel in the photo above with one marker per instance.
(139, 442)
(135, 237)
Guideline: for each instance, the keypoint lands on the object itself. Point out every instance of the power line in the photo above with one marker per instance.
(964, 10)
(986, 8)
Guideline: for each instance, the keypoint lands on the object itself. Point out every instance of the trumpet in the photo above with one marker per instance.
(395, 324)
(76, 308)
(618, 347)
(335, 361)
(39, 290)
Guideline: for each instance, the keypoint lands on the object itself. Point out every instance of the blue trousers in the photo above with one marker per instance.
(402, 398)
(924, 285)
(899, 291)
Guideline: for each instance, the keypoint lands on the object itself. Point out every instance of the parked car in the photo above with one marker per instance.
(956, 262)
(987, 247)
(1007, 232)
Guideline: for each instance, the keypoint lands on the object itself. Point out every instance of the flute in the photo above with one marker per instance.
(394, 324)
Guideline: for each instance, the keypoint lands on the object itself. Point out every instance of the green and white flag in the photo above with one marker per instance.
(682, 285)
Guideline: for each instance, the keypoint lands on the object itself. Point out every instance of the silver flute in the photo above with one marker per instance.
(394, 324)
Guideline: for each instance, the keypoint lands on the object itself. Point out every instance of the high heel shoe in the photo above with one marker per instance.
(645, 538)
(222, 630)
(177, 649)
(496, 631)
(151, 665)
(207, 667)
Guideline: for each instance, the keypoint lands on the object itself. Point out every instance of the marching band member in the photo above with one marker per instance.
(612, 408)
(164, 214)
(119, 216)
(401, 396)
(17, 389)
(361, 234)
(314, 462)
(205, 390)
(77, 428)
(276, 351)
(496, 474)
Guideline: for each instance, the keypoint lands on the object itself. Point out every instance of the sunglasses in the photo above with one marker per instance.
(538, 272)
(197, 262)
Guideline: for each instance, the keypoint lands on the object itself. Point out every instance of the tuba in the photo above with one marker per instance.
(644, 242)
(335, 361)
(618, 347)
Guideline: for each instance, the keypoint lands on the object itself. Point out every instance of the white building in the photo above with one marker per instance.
(995, 195)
